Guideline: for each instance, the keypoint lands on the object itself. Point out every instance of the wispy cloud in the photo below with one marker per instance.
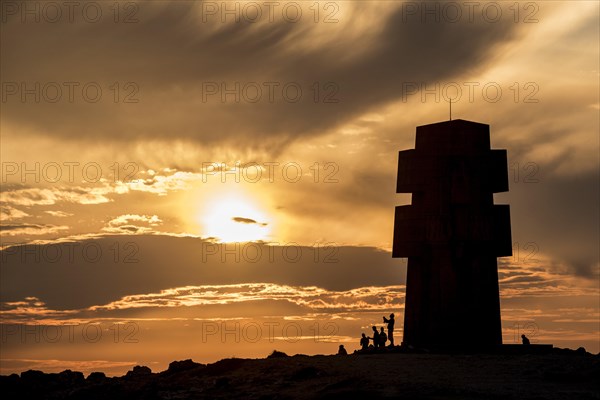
(312, 297)
(161, 184)
(31, 229)
(133, 224)
(50, 196)
(8, 213)
(60, 214)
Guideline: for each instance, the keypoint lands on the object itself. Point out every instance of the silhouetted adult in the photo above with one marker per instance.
(375, 337)
(390, 328)
(342, 351)
(364, 342)
(525, 340)
(382, 338)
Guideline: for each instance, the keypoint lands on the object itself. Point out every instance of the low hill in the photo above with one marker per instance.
(560, 374)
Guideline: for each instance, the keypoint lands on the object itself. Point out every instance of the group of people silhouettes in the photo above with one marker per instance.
(379, 338)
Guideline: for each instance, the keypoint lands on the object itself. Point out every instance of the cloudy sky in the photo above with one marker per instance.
(201, 180)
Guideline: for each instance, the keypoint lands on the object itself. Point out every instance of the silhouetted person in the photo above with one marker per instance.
(375, 337)
(382, 338)
(364, 342)
(390, 328)
(342, 351)
(525, 340)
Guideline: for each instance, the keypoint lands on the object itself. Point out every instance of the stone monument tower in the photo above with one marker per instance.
(452, 234)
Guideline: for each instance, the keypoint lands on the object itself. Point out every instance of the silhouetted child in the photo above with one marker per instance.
(525, 340)
(375, 337)
(382, 338)
(390, 328)
(364, 342)
(342, 351)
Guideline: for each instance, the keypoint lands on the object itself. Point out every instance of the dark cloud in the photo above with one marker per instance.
(96, 272)
(170, 53)
(558, 217)
(129, 228)
(13, 227)
(24, 226)
(248, 221)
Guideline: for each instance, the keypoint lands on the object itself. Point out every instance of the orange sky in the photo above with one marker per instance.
(136, 149)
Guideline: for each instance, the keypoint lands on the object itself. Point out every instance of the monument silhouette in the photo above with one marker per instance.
(452, 234)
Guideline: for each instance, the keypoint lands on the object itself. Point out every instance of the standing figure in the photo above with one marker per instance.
(375, 337)
(390, 328)
(382, 338)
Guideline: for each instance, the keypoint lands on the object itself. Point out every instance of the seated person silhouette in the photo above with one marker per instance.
(525, 340)
(364, 342)
(382, 338)
(375, 337)
(342, 351)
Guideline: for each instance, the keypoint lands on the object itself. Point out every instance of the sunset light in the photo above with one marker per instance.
(234, 218)
(195, 181)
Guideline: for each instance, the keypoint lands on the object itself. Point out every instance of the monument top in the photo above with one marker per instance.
(457, 135)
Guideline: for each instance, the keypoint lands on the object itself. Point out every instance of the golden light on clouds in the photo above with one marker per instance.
(234, 216)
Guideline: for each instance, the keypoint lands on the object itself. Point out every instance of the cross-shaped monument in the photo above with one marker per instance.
(452, 234)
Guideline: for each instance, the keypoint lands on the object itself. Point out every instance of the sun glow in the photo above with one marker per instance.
(235, 218)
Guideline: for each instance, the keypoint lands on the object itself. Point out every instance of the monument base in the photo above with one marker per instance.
(497, 349)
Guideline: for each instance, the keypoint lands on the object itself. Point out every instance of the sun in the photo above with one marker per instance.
(234, 217)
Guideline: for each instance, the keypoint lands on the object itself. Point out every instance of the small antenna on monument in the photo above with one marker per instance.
(450, 108)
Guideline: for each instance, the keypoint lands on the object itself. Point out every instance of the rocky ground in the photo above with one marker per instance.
(560, 374)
